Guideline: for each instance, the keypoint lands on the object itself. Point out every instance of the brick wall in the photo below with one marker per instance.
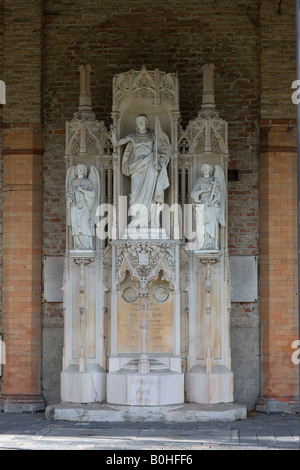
(22, 199)
(279, 267)
(21, 286)
(278, 58)
(278, 205)
(22, 60)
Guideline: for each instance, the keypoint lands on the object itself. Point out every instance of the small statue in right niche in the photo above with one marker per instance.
(209, 198)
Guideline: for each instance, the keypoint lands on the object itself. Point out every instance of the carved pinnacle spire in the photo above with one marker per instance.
(85, 101)
(208, 96)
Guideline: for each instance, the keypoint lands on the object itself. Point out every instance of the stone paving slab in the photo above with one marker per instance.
(259, 432)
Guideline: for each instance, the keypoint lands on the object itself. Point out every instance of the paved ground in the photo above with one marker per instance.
(258, 432)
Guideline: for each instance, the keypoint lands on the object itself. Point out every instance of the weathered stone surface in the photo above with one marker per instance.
(188, 412)
(244, 278)
(53, 278)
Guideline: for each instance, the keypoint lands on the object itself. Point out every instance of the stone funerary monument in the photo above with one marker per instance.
(146, 276)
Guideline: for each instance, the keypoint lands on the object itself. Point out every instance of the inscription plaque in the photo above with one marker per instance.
(159, 319)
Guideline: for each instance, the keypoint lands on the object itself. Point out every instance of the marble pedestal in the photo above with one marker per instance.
(209, 388)
(83, 378)
(153, 389)
(83, 387)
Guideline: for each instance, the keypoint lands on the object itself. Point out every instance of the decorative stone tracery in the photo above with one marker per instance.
(145, 261)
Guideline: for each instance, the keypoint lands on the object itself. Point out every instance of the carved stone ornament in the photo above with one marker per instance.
(208, 132)
(87, 137)
(130, 294)
(144, 261)
(85, 260)
(84, 134)
(208, 258)
(204, 134)
(161, 293)
(153, 86)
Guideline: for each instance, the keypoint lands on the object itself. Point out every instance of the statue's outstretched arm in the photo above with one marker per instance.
(124, 140)
(115, 141)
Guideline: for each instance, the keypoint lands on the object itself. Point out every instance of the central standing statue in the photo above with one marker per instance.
(145, 159)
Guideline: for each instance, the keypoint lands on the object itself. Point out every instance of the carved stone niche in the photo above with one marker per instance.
(153, 94)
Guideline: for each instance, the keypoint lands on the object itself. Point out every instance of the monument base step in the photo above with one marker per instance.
(184, 413)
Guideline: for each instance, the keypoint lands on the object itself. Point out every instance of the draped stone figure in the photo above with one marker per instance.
(82, 194)
(145, 160)
(208, 197)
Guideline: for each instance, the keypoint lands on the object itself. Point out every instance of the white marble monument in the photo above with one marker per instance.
(147, 272)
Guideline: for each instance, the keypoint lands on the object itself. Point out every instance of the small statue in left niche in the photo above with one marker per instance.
(83, 195)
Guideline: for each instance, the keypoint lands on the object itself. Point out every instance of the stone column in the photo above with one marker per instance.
(21, 285)
(22, 207)
(144, 364)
